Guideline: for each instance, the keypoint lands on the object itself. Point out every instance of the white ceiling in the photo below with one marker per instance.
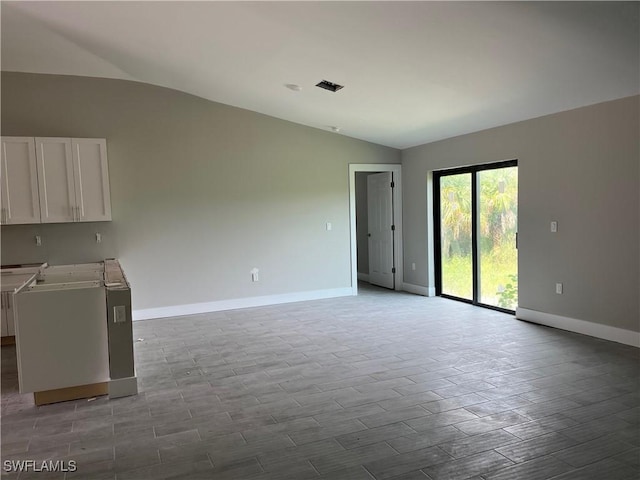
(414, 72)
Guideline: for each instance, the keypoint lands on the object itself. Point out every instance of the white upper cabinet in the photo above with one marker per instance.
(19, 182)
(55, 180)
(73, 179)
(91, 176)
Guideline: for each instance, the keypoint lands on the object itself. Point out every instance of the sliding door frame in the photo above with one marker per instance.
(473, 170)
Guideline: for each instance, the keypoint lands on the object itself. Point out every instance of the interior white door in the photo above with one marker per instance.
(20, 202)
(381, 228)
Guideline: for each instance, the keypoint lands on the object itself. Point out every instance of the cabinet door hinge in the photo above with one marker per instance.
(393, 227)
(393, 184)
(393, 270)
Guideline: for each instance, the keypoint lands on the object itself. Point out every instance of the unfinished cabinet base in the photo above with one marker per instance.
(123, 387)
(71, 393)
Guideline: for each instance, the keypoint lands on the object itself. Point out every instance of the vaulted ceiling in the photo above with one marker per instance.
(413, 72)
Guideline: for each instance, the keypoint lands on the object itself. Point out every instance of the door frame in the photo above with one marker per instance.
(437, 232)
(397, 218)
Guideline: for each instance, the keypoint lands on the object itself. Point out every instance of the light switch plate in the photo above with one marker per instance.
(554, 227)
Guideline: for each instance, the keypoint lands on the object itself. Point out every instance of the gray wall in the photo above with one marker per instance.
(579, 167)
(201, 192)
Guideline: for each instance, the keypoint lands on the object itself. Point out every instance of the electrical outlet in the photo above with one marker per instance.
(559, 288)
(255, 275)
(119, 314)
(413, 266)
(554, 226)
(38, 241)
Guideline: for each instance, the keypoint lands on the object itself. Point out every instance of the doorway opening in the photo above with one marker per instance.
(375, 201)
(475, 234)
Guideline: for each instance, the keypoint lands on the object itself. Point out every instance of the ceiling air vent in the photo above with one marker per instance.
(332, 87)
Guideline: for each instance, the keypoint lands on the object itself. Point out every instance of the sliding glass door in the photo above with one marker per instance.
(475, 234)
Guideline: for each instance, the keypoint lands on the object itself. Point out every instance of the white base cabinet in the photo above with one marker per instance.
(61, 338)
(73, 331)
(10, 279)
(8, 325)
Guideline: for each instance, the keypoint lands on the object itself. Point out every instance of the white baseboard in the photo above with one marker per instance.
(606, 332)
(363, 276)
(235, 303)
(419, 290)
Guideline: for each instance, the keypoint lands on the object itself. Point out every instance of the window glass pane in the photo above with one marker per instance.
(497, 227)
(455, 224)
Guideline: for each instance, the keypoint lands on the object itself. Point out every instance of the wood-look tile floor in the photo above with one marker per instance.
(384, 385)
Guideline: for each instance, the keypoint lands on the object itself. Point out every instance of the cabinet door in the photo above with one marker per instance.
(8, 308)
(55, 180)
(20, 203)
(5, 330)
(91, 175)
(62, 338)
